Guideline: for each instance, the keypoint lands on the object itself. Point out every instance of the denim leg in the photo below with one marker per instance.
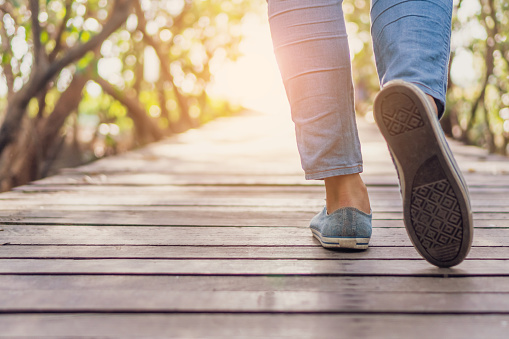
(411, 40)
(311, 48)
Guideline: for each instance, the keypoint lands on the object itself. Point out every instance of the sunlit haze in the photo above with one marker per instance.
(253, 80)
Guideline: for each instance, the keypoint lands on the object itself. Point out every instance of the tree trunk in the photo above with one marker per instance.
(146, 129)
(43, 72)
(185, 120)
(488, 57)
(22, 160)
(161, 96)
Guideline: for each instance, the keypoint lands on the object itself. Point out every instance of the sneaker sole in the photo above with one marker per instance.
(341, 242)
(437, 213)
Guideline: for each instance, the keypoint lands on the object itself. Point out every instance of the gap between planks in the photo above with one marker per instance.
(246, 267)
(256, 326)
(225, 252)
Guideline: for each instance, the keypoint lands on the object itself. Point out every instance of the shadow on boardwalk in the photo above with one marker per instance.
(205, 234)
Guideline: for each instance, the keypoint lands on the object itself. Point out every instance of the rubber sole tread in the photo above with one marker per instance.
(436, 207)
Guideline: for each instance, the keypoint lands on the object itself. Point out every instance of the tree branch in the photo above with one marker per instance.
(66, 104)
(7, 9)
(182, 102)
(142, 122)
(118, 16)
(61, 30)
(490, 63)
(488, 57)
(40, 76)
(36, 32)
(6, 48)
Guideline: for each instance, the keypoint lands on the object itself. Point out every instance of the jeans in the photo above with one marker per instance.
(411, 41)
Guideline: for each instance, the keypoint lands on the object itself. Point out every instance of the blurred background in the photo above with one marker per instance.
(83, 79)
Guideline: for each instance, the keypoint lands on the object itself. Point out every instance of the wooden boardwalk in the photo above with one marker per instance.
(206, 235)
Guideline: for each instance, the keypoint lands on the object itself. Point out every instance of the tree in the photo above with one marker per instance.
(478, 111)
(50, 61)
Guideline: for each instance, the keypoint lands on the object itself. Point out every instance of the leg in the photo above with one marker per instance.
(311, 47)
(411, 40)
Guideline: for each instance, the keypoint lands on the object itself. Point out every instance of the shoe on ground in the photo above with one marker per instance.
(346, 227)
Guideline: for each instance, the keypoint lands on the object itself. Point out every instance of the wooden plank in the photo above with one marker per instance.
(140, 301)
(228, 190)
(225, 252)
(382, 166)
(237, 178)
(204, 217)
(256, 326)
(20, 209)
(206, 236)
(204, 199)
(193, 190)
(147, 179)
(210, 197)
(223, 269)
(139, 203)
(252, 267)
(62, 201)
(222, 252)
(181, 172)
(355, 284)
(214, 194)
(177, 217)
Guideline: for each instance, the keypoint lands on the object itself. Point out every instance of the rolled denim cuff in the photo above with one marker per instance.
(334, 172)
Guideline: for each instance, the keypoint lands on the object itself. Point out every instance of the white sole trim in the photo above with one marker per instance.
(341, 242)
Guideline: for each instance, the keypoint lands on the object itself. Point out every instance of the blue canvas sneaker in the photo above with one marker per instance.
(346, 227)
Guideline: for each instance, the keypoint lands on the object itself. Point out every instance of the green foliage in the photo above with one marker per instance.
(189, 36)
(361, 46)
(476, 106)
(478, 99)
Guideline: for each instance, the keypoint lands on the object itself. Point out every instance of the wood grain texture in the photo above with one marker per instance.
(256, 325)
(167, 301)
(206, 235)
(253, 267)
(300, 283)
(236, 178)
(224, 252)
(199, 217)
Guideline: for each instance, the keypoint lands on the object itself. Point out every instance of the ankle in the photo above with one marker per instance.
(346, 191)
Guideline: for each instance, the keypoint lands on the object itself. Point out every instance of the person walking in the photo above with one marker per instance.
(411, 41)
